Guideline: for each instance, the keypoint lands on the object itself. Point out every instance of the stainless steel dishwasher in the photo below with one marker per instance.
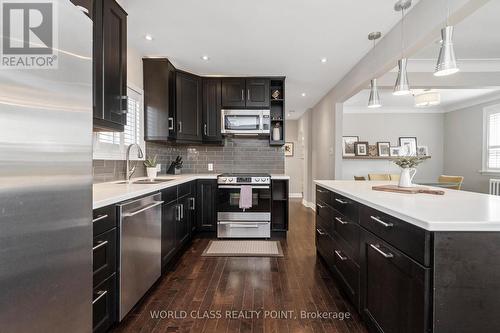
(140, 249)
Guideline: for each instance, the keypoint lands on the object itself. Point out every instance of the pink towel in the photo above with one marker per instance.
(245, 197)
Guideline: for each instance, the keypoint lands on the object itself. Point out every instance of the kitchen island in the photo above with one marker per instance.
(412, 263)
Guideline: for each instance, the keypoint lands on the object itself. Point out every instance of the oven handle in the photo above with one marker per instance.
(243, 224)
(239, 186)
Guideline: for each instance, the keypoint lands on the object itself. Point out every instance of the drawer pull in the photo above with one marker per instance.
(320, 205)
(102, 217)
(321, 191)
(343, 202)
(341, 221)
(101, 294)
(385, 254)
(99, 244)
(320, 232)
(339, 254)
(385, 224)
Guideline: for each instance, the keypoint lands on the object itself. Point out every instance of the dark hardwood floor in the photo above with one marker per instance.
(298, 282)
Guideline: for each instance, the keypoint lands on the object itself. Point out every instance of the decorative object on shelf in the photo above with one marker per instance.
(175, 166)
(427, 99)
(402, 87)
(277, 132)
(289, 149)
(447, 63)
(408, 166)
(151, 167)
(348, 145)
(372, 151)
(422, 151)
(276, 94)
(408, 146)
(374, 100)
(384, 149)
(395, 151)
(361, 148)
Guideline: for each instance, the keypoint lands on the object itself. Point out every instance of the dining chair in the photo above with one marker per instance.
(375, 176)
(359, 178)
(395, 176)
(458, 180)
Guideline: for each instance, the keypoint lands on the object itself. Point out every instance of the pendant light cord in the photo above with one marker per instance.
(402, 32)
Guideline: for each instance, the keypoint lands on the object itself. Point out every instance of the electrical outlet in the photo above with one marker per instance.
(210, 167)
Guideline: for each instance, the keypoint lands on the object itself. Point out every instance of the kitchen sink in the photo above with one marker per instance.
(146, 181)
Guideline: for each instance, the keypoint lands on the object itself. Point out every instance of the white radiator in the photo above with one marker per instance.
(495, 186)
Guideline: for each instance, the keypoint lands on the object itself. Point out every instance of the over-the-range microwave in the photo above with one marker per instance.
(245, 122)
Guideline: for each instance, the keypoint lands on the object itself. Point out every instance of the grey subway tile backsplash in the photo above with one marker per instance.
(237, 155)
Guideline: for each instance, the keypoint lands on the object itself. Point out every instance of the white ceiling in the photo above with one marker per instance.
(261, 37)
(450, 100)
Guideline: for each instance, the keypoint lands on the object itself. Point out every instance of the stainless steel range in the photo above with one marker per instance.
(252, 222)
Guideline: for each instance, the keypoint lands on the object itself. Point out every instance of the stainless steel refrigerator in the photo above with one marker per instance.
(46, 185)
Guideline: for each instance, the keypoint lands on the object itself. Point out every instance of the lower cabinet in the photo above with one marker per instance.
(183, 225)
(168, 234)
(206, 205)
(104, 305)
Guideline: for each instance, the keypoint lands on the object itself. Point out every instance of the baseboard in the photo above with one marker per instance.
(295, 195)
(309, 204)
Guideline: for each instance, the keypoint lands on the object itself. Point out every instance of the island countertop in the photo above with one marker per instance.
(453, 211)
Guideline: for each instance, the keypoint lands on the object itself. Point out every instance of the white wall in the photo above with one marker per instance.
(463, 139)
(134, 68)
(294, 165)
(374, 127)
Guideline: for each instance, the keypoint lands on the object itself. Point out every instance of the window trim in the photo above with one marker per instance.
(121, 156)
(487, 111)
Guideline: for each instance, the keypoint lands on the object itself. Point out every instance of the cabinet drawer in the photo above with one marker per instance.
(323, 195)
(103, 219)
(346, 207)
(324, 246)
(104, 256)
(324, 214)
(104, 305)
(347, 270)
(349, 232)
(412, 240)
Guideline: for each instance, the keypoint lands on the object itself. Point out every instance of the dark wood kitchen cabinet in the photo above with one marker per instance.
(183, 226)
(257, 93)
(206, 205)
(233, 93)
(159, 100)
(279, 205)
(212, 105)
(189, 107)
(168, 225)
(245, 93)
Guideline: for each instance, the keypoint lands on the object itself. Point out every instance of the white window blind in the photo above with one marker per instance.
(113, 145)
(493, 153)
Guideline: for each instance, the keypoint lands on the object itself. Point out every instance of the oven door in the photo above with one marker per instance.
(229, 199)
(245, 121)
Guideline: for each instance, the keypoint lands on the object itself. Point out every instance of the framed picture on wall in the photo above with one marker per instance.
(408, 146)
(361, 148)
(422, 151)
(348, 145)
(289, 149)
(395, 151)
(384, 149)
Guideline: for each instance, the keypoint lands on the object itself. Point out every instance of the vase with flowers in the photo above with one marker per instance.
(408, 166)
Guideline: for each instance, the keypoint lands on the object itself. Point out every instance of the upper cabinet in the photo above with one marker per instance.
(109, 66)
(212, 105)
(159, 99)
(245, 93)
(188, 107)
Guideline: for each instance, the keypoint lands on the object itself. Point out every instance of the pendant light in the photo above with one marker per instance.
(447, 63)
(427, 99)
(402, 87)
(374, 101)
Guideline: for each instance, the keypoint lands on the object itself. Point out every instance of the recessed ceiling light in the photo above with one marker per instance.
(303, 94)
(148, 37)
(323, 60)
(205, 58)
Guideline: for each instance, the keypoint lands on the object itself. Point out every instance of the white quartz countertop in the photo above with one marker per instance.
(105, 194)
(453, 211)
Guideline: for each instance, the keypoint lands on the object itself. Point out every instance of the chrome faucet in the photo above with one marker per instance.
(129, 172)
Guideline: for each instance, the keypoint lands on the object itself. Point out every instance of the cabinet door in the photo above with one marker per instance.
(114, 38)
(233, 93)
(183, 226)
(168, 233)
(212, 94)
(188, 99)
(395, 289)
(206, 205)
(257, 93)
(104, 305)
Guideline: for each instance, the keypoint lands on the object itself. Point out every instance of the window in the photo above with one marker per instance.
(113, 145)
(491, 159)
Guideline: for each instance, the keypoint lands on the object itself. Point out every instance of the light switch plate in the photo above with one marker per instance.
(210, 167)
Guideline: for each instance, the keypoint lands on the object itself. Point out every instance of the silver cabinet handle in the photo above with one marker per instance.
(248, 94)
(143, 209)
(378, 220)
(205, 129)
(320, 232)
(180, 127)
(321, 191)
(243, 226)
(99, 218)
(170, 123)
(385, 254)
(101, 294)
(124, 98)
(178, 213)
(339, 254)
(341, 221)
(320, 205)
(242, 94)
(343, 202)
(182, 211)
(99, 244)
(193, 203)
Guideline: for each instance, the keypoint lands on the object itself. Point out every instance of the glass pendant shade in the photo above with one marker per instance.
(447, 63)
(402, 87)
(374, 101)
